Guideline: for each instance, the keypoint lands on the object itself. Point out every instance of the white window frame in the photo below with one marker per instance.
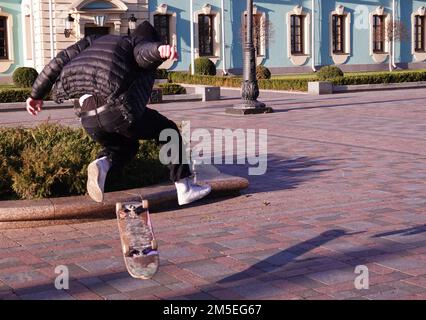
(418, 56)
(379, 57)
(163, 9)
(299, 59)
(5, 64)
(341, 58)
(207, 10)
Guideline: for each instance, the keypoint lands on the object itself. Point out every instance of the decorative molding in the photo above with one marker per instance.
(421, 11)
(340, 10)
(5, 64)
(418, 56)
(207, 9)
(341, 58)
(216, 32)
(162, 8)
(299, 59)
(378, 57)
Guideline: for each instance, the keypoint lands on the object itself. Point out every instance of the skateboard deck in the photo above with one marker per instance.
(137, 239)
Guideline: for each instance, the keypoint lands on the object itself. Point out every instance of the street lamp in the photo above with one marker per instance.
(69, 22)
(250, 88)
(132, 24)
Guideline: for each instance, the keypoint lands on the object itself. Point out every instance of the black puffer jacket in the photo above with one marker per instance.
(121, 69)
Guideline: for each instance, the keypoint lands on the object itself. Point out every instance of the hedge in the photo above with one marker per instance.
(172, 88)
(14, 95)
(51, 160)
(9, 95)
(378, 78)
(273, 84)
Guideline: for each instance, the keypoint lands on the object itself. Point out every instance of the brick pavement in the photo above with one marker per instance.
(345, 186)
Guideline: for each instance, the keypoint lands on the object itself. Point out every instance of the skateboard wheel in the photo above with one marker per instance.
(118, 206)
(145, 204)
(154, 244)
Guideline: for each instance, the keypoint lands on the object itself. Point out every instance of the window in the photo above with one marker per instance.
(3, 39)
(379, 36)
(297, 34)
(205, 34)
(338, 33)
(419, 33)
(162, 26)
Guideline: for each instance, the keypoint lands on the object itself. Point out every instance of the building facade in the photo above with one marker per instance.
(290, 35)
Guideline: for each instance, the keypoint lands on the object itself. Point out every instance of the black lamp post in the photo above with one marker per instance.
(132, 24)
(250, 88)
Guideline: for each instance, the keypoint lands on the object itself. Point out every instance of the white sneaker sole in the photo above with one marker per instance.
(93, 188)
(190, 200)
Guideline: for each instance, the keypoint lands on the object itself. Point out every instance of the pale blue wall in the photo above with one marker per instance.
(14, 8)
(276, 11)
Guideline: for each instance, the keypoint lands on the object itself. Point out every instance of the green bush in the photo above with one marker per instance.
(234, 82)
(172, 88)
(10, 95)
(14, 95)
(384, 77)
(329, 72)
(51, 160)
(161, 74)
(262, 73)
(24, 76)
(204, 67)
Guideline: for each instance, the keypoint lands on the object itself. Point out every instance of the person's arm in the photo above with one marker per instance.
(150, 55)
(47, 77)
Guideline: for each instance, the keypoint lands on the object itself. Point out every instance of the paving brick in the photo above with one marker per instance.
(349, 162)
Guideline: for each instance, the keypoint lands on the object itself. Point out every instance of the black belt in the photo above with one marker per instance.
(93, 112)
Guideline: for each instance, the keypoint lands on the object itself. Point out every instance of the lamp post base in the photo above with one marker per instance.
(249, 107)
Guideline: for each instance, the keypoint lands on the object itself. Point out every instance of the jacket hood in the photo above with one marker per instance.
(145, 32)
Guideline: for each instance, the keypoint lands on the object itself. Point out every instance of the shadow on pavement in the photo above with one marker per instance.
(403, 232)
(282, 173)
(286, 256)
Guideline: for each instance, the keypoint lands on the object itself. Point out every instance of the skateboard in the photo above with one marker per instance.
(139, 246)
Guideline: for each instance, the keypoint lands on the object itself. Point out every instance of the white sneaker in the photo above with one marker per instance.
(188, 192)
(96, 175)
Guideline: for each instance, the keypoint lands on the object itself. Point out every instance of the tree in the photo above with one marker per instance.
(263, 32)
(395, 31)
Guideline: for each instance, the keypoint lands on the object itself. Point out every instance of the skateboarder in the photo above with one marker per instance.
(112, 76)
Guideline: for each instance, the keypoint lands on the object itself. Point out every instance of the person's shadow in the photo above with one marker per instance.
(286, 256)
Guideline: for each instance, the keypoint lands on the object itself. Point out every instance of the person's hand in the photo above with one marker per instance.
(168, 52)
(34, 106)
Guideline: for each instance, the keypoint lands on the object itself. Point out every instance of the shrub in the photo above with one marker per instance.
(273, 84)
(329, 72)
(172, 88)
(204, 67)
(51, 160)
(24, 76)
(10, 95)
(262, 73)
(383, 77)
(14, 95)
(161, 74)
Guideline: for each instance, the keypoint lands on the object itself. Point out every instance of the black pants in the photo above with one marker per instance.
(121, 139)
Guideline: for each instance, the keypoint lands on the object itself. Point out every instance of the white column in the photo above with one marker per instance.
(393, 32)
(52, 49)
(313, 37)
(225, 72)
(192, 36)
